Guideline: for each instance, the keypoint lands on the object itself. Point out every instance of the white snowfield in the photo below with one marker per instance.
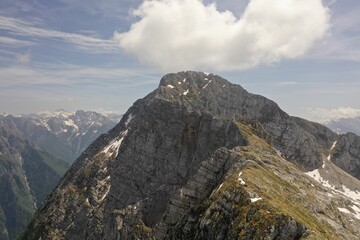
(354, 196)
(112, 149)
(131, 117)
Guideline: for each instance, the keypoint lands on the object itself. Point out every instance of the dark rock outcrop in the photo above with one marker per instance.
(347, 154)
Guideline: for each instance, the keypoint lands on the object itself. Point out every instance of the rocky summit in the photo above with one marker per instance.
(201, 158)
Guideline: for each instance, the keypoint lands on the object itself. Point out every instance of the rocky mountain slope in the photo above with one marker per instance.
(201, 158)
(27, 175)
(28, 172)
(345, 125)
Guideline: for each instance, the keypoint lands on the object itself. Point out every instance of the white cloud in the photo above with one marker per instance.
(344, 40)
(24, 58)
(12, 42)
(187, 34)
(23, 28)
(68, 75)
(324, 115)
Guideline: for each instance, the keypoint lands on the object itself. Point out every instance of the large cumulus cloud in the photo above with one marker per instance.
(188, 34)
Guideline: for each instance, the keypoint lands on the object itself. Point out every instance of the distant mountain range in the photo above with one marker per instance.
(344, 125)
(35, 152)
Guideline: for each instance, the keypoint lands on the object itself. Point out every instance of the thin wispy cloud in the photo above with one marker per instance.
(19, 27)
(107, 8)
(287, 83)
(68, 75)
(13, 42)
(24, 58)
(187, 34)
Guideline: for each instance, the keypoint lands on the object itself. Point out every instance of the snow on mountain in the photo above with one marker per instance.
(344, 125)
(64, 134)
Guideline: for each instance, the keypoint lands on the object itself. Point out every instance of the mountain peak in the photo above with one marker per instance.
(192, 160)
(191, 79)
(206, 92)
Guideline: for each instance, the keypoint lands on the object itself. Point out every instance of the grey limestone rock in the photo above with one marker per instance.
(157, 168)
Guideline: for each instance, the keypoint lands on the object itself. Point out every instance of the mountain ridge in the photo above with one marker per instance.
(172, 149)
(345, 125)
(35, 152)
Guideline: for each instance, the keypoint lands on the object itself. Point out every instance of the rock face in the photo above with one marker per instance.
(347, 154)
(27, 175)
(200, 158)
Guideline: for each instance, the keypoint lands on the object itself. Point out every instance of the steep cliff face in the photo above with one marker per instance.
(27, 175)
(172, 168)
(347, 154)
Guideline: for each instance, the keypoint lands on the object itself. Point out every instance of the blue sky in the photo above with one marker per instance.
(103, 55)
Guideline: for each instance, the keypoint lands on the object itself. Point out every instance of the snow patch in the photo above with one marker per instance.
(329, 157)
(253, 200)
(113, 147)
(103, 184)
(186, 92)
(170, 86)
(223, 86)
(351, 194)
(346, 192)
(179, 83)
(184, 80)
(315, 174)
(71, 123)
(105, 194)
(205, 86)
(333, 146)
(45, 124)
(241, 181)
(344, 210)
(206, 73)
(357, 211)
(131, 117)
(205, 79)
